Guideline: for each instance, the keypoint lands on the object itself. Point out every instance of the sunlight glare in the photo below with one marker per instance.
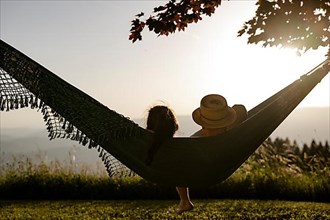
(249, 73)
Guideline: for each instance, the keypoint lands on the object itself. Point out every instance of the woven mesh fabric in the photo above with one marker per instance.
(13, 95)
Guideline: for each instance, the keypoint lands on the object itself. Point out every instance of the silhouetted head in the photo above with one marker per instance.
(162, 121)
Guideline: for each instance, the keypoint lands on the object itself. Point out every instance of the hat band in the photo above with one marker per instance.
(211, 120)
(214, 115)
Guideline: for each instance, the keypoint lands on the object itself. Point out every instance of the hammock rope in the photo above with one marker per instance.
(13, 95)
(123, 145)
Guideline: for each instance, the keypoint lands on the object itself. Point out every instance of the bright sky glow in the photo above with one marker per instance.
(86, 43)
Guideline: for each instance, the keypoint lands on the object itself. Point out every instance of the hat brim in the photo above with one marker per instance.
(229, 120)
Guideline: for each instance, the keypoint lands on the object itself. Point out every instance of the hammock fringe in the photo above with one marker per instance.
(14, 96)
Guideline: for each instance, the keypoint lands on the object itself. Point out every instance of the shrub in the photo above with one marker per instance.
(277, 170)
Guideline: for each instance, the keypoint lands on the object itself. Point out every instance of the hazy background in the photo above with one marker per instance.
(86, 43)
(303, 126)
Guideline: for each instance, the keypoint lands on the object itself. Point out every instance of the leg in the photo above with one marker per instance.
(185, 203)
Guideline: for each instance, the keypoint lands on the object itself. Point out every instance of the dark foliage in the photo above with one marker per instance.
(173, 16)
(301, 24)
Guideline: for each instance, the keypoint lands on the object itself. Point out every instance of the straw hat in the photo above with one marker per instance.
(214, 112)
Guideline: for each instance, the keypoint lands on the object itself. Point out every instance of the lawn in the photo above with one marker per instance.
(162, 209)
(278, 174)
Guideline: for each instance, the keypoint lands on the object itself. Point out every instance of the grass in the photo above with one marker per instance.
(163, 209)
(278, 170)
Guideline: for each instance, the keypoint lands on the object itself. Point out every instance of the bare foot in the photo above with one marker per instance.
(184, 208)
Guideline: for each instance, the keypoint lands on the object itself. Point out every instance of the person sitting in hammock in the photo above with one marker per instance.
(215, 117)
(162, 121)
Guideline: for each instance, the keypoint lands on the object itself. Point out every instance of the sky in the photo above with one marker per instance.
(86, 43)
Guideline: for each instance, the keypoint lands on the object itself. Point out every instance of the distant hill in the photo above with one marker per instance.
(303, 125)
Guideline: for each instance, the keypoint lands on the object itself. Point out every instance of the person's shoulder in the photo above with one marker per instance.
(198, 133)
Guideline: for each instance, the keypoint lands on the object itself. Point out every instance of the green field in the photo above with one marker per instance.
(279, 181)
(163, 209)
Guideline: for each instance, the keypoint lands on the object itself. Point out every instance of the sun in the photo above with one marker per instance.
(289, 66)
(250, 74)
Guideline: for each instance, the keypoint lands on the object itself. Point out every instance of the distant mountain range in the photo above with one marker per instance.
(303, 125)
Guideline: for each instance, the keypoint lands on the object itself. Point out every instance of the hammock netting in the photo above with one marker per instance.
(13, 95)
(123, 145)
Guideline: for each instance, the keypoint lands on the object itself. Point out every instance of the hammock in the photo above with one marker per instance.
(194, 162)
